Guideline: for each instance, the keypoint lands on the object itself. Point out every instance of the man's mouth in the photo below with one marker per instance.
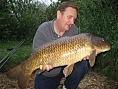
(70, 25)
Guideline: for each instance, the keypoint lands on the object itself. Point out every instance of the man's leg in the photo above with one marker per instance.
(42, 82)
(80, 69)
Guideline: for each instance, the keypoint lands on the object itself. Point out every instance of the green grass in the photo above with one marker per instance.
(22, 53)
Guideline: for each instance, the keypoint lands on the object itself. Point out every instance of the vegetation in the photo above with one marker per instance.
(19, 19)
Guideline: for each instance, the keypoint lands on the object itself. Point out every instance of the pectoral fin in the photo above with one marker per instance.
(68, 70)
(92, 58)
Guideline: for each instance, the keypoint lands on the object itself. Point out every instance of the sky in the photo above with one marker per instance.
(48, 2)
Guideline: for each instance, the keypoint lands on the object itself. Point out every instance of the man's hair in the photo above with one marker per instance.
(64, 5)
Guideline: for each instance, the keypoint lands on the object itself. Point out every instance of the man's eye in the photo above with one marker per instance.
(69, 17)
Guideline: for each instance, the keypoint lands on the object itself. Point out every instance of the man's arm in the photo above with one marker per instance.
(39, 40)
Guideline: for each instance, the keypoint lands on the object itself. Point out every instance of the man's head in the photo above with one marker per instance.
(66, 13)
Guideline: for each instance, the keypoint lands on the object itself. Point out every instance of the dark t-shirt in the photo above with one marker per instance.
(46, 33)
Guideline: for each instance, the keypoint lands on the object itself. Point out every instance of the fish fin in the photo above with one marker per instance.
(23, 80)
(92, 58)
(68, 70)
(18, 73)
(14, 73)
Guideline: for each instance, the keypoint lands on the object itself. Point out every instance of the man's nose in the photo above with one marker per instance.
(72, 21)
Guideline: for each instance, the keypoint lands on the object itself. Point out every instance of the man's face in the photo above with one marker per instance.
(67, 18)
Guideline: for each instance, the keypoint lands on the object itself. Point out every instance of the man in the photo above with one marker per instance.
(62, 25)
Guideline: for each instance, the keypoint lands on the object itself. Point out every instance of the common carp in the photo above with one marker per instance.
(61, 52)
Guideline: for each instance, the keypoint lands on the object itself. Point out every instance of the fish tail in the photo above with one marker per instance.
(15, 72)
(19, 74)
(23, 80)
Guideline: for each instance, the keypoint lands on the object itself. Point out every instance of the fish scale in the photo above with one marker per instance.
(60, 52)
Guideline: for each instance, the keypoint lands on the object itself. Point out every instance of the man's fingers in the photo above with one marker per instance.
(41, 67)
(87, 57)
(48, 67)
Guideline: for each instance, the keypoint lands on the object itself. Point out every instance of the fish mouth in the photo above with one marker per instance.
(103, 50)
(107, 47)
(106, 50)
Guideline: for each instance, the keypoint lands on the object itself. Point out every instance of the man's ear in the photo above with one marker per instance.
(58, 14)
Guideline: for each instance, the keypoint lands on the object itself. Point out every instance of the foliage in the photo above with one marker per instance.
(100, 17)
(20, 19)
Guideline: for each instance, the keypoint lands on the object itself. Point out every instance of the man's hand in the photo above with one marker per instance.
(86, 58)
(48, 67)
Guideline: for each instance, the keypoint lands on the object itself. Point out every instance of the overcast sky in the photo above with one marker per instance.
(48, 2)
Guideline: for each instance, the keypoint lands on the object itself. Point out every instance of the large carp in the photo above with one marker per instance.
(64, 51)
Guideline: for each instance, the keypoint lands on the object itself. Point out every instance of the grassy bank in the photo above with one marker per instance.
(19, 56)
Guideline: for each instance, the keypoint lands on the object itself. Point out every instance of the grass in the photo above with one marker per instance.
(22, 53)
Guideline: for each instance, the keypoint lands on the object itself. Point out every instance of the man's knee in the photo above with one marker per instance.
(83, 64)
(81, 67)
(79, 70)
